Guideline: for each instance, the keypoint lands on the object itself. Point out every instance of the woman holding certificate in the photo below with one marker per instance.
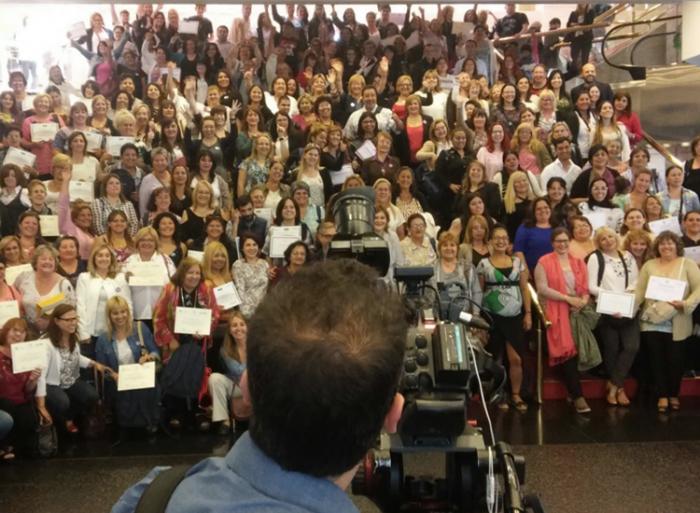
(184, 318)
(19, 396)
(43, 288)
(38, 132)
(668, 290)
(147, 270)
(95, 287)
(76, 219)
(598, 202)
(563, 284)
(612, 277)
(126, 342)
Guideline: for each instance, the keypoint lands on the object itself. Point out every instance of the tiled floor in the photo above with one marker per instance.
(611, 461)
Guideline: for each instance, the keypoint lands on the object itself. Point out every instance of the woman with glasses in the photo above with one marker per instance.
(418, 249)
(562, 282)
(67, 394)
(506, 298)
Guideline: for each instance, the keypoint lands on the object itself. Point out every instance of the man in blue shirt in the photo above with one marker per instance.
(325, 350)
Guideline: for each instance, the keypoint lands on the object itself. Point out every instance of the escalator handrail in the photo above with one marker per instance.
(651, 141)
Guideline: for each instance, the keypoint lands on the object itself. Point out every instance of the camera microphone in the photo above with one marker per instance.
(472, 320)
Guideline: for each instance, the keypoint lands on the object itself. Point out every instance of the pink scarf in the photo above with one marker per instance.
(560, 340)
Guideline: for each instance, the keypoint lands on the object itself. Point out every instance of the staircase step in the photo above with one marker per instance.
(594, 388)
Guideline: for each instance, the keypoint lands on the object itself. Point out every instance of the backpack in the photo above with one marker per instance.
(611, 321)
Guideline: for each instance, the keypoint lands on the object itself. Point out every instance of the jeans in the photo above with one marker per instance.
(6, 424)
(666, 356)
(23, 421)
(65, 403)
(620, 347)
(569, 370)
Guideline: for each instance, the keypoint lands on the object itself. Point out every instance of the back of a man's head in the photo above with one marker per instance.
(325, 350)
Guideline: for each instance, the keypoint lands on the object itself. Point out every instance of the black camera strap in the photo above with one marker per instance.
(157, 494)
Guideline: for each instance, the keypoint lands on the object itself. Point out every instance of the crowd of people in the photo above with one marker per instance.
(177, 171)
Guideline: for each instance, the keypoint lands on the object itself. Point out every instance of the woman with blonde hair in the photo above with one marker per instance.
(517, 201)
(638, 243)
(227, 400)
(611, 270)
(147, 249)
(215, 264)
(43, 288)
(532, 154)
(10, 251)
(476, 236)
(43, 150)
(255, 169)
(317, 178)
(203, 206)
(95, 287)
(125, 342)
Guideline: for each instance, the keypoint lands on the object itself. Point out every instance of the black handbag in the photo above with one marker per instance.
(46, 440)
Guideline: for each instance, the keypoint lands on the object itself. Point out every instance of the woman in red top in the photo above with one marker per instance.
(17, 393)
(42, 149)
(624, 115)
(415, 132)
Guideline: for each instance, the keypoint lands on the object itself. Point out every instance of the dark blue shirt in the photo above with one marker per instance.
(245, 480)
(532, 242)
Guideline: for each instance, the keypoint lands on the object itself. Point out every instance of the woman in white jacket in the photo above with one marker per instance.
(94, 288)
(144, 297)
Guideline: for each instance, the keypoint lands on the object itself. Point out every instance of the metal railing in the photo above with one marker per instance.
(670, 157)
(542, 322)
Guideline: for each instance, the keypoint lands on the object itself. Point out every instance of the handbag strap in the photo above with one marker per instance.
(99, 383)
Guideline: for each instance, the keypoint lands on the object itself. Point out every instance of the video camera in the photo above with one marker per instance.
(444, 366)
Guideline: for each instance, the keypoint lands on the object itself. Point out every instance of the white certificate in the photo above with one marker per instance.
(462, 27)
(147, 274)
(339, 177)
(597, 220)
(192, 321)
(94, 140)
(81, 190)
(662, 225)
(8, 310)
(177, 73)
(11, 273)
(188, 27)
(49, 226)
(27, 356)
(77, 30)
(227, 296)
(43, 131)
(19, 157)
(84, 173)
(665, 289)
(264, 213)
(281, 237)
(612, 303)
(692, 252)
(367, 150)
(137, 376)
(197, 255)
(114, 144)
(387, 41)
